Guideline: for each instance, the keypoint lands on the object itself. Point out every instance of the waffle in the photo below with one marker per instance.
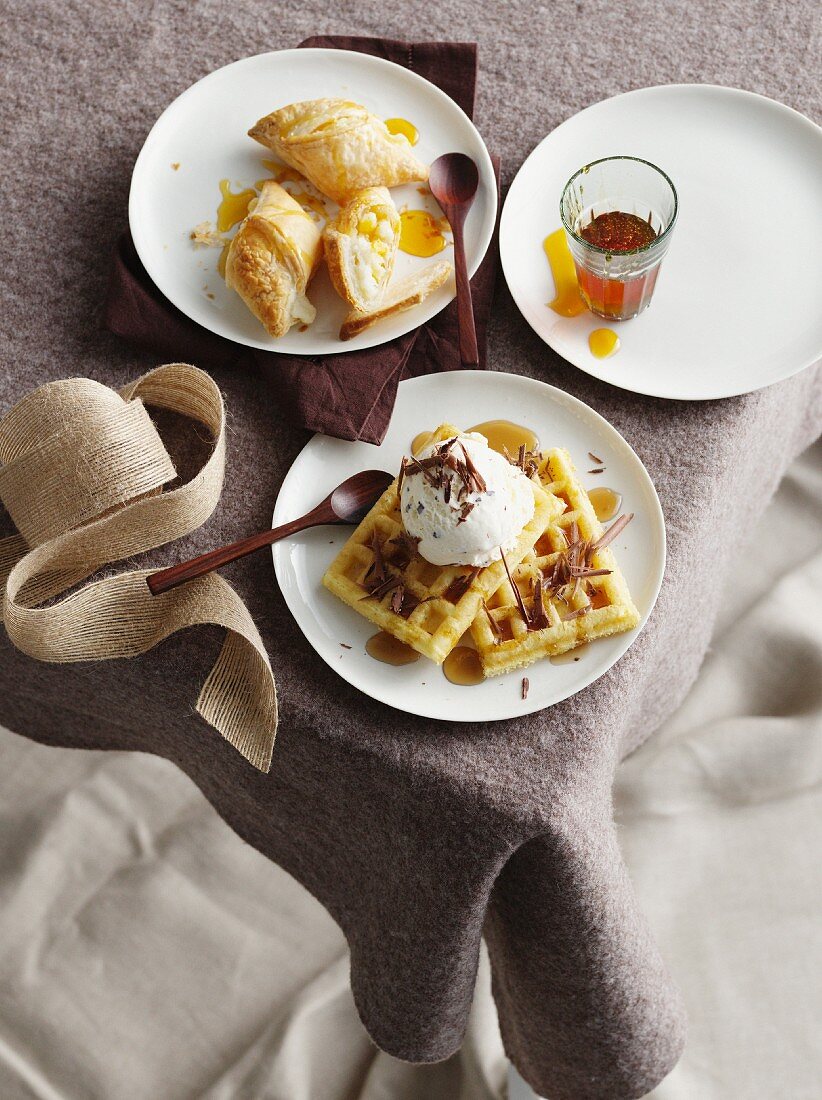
(439, 603)
(502, 638)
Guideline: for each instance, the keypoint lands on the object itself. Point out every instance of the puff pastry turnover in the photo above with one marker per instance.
(404, 294)
(339, 146)
(271, 260)
(361, 246)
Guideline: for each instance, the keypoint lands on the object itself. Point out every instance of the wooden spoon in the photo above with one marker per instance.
(453, 180)
(349, 503)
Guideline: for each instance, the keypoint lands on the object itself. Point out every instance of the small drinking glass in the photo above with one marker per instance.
(618, 284)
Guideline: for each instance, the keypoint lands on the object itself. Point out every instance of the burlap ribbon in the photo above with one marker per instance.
(82, 470)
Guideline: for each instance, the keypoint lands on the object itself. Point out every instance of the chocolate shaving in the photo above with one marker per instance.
(526, 683)
(343, 644)
(600, 470)
(527, 461)
(377, 567)
(575, 562)
(466, 509)
(495, 628)
(397, 597)
(379, 581)
(409, 602)
(460, 585)
(539, 616)
(462, 472)
(616, 527)
(381, 589)
(577, 613)
(517, 593)
(476, 476)
(400, 479)
(594, 458)
(405, 549)
(425, 469)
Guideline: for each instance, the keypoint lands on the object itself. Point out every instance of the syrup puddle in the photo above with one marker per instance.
(606, 502)
(421, 233)
(462, 667)
(390, 650)
(504, 435)
(404, 127)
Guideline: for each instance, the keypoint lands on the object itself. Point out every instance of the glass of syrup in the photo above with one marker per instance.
(618, 215)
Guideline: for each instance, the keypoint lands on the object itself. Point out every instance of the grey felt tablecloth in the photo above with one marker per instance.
(417, 836)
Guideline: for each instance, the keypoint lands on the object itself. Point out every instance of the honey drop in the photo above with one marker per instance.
(421, 233)
(603, 342)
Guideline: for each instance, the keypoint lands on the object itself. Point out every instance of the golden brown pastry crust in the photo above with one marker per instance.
(405, 294)
(339, 146)
(272, 258)
(361, 246)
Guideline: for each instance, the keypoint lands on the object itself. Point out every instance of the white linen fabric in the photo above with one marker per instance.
(146, 951)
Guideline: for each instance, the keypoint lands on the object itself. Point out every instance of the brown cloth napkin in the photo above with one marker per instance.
(350, 395)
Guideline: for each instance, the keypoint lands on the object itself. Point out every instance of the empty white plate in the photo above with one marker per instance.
(203, 132)
(737, 302)
(463, 398)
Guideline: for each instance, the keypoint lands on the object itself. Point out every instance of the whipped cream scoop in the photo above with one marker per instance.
(464, 502)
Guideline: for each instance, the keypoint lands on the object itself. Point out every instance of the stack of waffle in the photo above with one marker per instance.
(557, 588)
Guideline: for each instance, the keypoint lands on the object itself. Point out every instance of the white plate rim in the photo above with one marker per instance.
(518, 708)
(415, 318)
(504, 236)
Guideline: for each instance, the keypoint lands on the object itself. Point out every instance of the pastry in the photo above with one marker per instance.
(339, 146)
(272, 258)
(567, 589)
(404, 294)
(361, 245)
(382, 575)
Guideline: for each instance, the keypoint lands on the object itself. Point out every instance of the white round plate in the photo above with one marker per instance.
(204, 132)
(464, 398)
(736, 306)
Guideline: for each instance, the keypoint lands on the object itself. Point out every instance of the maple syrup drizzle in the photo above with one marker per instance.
(310, 204)
(390, 650)
(462, 667)
(567, 302)
(404, 127)
(504, 435)
(420, 442)
(233, 208)
(421, 233)
(606, 502)
(603, 342)
(281, 172)
(221, 262)
(598, 598)
(570, 655)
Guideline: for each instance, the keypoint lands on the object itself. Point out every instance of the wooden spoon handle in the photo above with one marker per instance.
(465, 307)
(175, 575)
